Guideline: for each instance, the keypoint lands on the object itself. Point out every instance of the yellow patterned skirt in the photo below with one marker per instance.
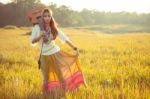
(61, 70)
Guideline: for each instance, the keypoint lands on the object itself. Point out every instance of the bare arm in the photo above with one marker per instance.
(65, 39)
(71, 45)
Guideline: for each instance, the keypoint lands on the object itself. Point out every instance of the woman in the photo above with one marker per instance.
(61, 71)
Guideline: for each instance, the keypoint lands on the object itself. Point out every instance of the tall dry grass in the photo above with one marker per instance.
(115, 66)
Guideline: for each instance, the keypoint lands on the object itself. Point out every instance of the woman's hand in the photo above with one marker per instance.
(78, 53)
(73, 47)
(77, 50)
(42, 34)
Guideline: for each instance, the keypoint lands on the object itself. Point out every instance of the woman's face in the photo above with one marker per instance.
(47, 17)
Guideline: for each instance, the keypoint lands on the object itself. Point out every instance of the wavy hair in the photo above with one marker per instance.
(52, 24)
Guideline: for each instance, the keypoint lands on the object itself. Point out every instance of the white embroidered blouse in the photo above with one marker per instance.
(50, 47)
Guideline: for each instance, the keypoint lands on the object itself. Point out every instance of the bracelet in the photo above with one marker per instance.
(75, 48)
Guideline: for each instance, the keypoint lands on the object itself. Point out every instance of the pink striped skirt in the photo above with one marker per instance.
(61, 71)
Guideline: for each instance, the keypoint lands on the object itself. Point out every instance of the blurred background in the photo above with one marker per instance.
(81, 13)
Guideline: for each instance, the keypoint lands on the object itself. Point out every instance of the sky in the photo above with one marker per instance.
(138, 6)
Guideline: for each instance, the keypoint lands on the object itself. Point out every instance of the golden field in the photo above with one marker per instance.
(115, 66)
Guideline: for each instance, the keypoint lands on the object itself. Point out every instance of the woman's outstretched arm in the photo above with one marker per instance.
(64, 38)
(71, 44)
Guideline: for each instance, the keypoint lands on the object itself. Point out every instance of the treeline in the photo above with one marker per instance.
(14, 13)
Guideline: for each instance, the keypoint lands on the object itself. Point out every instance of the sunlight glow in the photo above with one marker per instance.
(139, 6)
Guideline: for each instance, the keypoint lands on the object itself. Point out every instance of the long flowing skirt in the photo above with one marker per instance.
(61, 71)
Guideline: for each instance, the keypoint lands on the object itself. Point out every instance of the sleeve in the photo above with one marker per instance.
(62, 36)
(35, 33)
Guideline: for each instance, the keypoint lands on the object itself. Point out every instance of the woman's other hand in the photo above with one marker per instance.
(77, 50)
(42, 34)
